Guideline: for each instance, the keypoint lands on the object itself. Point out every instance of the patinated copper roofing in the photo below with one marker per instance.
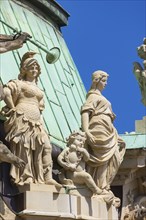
(134, 140)
(61, 82)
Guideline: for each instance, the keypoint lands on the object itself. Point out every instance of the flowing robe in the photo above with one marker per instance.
(26, 134)
(106, 154)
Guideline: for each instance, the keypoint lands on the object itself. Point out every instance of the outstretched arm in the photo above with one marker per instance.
(9, 44)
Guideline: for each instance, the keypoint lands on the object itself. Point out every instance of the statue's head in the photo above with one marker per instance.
(98, 77)
(77, 138)
(27, 63)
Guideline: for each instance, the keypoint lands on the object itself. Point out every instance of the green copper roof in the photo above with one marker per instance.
(134, 141)
(64, 90)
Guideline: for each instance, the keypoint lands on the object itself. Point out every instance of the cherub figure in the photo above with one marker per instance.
(73, 160)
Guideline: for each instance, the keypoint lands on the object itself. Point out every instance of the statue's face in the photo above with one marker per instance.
(32, 71)
(79, 141)
(102, 83)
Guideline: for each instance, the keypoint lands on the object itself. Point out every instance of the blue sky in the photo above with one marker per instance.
(105, 35)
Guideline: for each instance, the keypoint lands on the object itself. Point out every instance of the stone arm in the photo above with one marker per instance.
(7, 156)
(61, 160)
(41, 108)
(137, 69)
(65, 164)
(8, 98)
(1, 92)
(85, 153)
(8, 43)
(85, 126)
(42, 105)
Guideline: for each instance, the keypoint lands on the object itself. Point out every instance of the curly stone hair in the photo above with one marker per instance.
(74, 135)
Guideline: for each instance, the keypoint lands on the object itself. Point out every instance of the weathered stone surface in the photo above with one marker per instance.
(105, 147)
(140, 72)
(24, 126)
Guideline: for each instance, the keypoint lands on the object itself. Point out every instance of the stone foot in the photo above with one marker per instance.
(53, 182)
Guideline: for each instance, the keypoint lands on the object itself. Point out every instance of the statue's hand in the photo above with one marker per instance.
(66, 166)
(72, 167)
(80, 149)
(19, 163)
(90, 137)
(22, 36)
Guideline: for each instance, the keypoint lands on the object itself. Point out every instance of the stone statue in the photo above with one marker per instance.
(140, 73)
(73, 159)
(24, 125)
(7, 156)
(105, 147)
(10, 42)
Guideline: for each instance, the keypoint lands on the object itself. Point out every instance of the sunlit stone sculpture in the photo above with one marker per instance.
(12, 42)
(24, 126)
(73, 159)
(7, 156)
(139, 72)
(105, 147)
(8, 43)
(73, 175)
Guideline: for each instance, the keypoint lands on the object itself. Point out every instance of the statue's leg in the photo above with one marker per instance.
(48, 164)
(100, 176)
(85, 178)
(38, 164)
(63, 179)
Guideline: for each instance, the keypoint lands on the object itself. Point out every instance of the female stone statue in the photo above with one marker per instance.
(8, 43)
(24, 127)
(105, 147)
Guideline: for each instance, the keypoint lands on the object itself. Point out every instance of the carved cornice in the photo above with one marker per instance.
(50, 8)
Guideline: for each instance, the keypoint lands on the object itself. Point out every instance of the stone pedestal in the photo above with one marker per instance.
(43, 202)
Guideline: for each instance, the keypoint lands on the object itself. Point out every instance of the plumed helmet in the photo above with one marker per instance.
(28, 60)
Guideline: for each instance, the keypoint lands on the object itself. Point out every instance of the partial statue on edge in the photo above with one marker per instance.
(24, 125)
(140, 73)
(8, 43)
(12, 42)
(105, 147)
(7, 156)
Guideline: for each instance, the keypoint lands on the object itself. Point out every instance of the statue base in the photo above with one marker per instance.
(46, 202)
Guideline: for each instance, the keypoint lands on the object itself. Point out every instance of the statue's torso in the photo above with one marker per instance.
(28, 100)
